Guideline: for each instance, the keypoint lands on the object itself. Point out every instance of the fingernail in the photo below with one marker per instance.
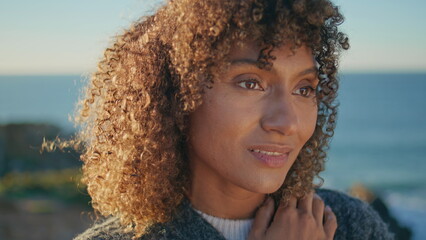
(328, 208)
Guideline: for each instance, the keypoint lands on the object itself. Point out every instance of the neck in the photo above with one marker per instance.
(222, 199)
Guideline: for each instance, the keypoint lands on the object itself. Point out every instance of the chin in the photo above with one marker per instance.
(266, 185)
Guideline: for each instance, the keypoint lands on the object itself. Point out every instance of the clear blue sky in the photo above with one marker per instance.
(68, 37)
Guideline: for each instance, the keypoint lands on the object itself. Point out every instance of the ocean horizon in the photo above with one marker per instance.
(380, 139)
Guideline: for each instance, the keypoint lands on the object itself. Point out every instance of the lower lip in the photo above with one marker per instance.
(274, 161)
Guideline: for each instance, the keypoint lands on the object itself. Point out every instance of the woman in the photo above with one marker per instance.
(210, 120)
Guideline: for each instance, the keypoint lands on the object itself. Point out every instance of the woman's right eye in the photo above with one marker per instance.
(251, 84)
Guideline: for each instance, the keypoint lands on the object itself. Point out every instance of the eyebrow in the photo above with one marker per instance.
(244, 61)
(309, 71)
(247, 61)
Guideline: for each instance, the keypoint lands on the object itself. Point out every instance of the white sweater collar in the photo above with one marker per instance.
(231, 229)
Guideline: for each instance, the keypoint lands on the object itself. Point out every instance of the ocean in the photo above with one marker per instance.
(380, 139)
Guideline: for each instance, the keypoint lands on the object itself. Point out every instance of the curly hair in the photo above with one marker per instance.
(134, 115)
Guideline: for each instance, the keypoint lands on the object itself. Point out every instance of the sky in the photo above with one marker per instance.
(51, 37)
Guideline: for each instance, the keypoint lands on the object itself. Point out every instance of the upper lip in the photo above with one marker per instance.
(279, 148)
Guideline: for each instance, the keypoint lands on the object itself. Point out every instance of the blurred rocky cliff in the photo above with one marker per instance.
(40, 190)
(20, 149)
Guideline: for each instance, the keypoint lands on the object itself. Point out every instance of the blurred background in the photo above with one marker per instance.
(49, 48)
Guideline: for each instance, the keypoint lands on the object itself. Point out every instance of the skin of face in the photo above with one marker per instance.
(250, 109)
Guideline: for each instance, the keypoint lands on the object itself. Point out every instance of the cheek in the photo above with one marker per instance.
(211, 124)
(308, 122)
(220, 115)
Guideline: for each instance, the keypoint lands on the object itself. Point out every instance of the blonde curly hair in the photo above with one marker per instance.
(134, 115)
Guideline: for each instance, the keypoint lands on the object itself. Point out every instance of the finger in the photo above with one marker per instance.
(305, 204)
(330, 223)
(292, 203)
(318, 209)
(283, 211)
(262, 219)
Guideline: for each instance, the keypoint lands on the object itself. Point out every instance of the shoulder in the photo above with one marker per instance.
(108, 229)
(185, 224)
(355, 218)
(111, 229)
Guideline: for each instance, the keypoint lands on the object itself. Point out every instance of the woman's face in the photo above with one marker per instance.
(253, 122)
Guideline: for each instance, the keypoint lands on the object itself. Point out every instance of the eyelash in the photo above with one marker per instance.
(312, 90)
(251, 80)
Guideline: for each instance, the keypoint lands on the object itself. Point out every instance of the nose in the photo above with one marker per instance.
(280, 116)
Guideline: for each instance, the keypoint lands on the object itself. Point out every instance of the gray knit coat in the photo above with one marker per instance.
(356, 220)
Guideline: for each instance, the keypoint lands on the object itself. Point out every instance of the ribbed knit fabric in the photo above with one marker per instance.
(356, 220)
(231, 229)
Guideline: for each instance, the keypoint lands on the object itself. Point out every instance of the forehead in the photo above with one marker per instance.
(284, 56)
(245, 50)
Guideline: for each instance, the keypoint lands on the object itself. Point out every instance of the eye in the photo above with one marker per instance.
(251, 84)
(306, 91)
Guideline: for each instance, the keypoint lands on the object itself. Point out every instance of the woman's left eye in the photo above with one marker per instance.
(306, 91)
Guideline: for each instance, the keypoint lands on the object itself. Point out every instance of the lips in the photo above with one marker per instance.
(271, 155)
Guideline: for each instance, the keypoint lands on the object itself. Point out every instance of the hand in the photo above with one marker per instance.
(303, 219)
